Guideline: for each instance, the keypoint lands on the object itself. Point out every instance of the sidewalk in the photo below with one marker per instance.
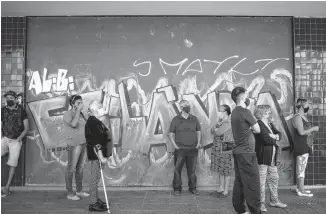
(155, 202)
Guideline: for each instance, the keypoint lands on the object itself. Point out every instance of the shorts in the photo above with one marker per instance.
(302, 161)
(13, 147)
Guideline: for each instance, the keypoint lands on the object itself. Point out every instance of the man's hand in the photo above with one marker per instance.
(198, 146)
(19, 139)
(176, 147)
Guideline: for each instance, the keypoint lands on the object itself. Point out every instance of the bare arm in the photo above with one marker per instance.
(198, 138)
(24, 133)
(255, 128)
(171, 137)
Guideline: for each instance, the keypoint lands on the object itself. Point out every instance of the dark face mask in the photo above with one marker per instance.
(186, 109)
(247, 102)
(10, 102)
(306, 109)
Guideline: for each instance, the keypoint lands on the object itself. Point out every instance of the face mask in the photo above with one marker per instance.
(186, 109)
(247, 102)
(10, 102)
(306, 109)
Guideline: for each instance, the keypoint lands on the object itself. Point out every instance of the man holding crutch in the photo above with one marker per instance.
(99, 148)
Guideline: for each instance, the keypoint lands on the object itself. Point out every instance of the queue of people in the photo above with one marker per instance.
(245, 143)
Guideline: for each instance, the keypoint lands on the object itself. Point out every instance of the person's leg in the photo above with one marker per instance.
(227, 179)
(220, 182)
(95, 178)
(250, 181)
(80, 170)
(73, 154)
(272, 182)
(238, 196)
(179, 160)
(262, 181)
(301, 168)
(14, 153)
(191, 162)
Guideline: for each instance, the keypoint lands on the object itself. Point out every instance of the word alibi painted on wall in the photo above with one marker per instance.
(50, 83)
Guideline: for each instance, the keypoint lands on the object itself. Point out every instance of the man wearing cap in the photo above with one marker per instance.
(14, 127)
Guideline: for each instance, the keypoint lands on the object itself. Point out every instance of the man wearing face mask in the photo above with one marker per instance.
(185, 136)
(75, 122)
(14, 127)
(98, 137)
(246, 183)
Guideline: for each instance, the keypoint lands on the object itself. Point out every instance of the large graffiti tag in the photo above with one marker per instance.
(142, 153)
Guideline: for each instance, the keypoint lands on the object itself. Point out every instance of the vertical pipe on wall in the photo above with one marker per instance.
(293, 85)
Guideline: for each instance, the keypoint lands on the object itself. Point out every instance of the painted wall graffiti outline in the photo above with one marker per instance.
(136, 137)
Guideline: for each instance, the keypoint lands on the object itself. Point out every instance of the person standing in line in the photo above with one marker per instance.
(75, 122)
(303, 141)
(221, 157)
(98, 137)
(185, 136)
(14, 128)
(267, 153)
(246, 183)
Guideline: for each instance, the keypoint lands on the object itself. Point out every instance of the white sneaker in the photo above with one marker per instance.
(304, 194)
(306, 191)
(82, 194)
(73, 197)
(278, 204)
(263, 208)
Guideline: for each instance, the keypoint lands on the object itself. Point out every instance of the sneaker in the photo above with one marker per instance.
(82, 194)
(263, 208)
(73, 197)
(304, 194)
(306, 191)
(278, 204)
(101, 202)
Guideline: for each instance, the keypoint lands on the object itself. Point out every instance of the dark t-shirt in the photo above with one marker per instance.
(12, 121)
(244, 139)
(185, 131)
(97, 135)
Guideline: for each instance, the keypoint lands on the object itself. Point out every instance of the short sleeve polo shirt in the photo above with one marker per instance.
(185, 131)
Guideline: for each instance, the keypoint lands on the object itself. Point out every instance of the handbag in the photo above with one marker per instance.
(227, 140)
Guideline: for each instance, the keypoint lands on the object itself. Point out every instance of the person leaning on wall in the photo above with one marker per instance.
(14, 128)
(303, 141)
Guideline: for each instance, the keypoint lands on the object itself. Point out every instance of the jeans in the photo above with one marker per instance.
(246, 183)
(190, 158)
(76, 162)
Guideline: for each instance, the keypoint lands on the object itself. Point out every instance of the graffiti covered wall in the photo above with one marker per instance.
(140, 68)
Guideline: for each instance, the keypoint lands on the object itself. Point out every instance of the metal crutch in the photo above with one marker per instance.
(106, 197)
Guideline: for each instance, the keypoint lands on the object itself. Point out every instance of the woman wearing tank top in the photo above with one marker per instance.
(303, 140)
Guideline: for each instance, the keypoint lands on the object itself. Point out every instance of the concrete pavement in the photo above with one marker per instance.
(155, 202)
